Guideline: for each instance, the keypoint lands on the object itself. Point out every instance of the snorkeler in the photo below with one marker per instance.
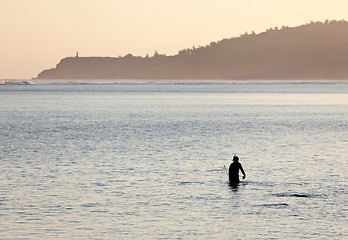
(234, 170)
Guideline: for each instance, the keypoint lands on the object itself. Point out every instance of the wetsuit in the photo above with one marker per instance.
(234, 170)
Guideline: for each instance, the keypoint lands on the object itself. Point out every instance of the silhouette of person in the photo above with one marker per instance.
(234, 170)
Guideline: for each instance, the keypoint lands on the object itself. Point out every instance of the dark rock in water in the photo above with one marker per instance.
(299, 195)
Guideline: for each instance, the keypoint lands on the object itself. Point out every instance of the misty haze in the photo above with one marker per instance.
(312, 51)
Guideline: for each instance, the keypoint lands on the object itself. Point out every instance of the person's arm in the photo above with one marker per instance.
(242, 170)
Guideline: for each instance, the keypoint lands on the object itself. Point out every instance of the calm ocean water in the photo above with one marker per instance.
(144, 161)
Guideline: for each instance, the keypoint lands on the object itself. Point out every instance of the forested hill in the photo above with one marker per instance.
(312, 51)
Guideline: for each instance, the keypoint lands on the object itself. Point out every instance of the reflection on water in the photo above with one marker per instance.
(128, 161)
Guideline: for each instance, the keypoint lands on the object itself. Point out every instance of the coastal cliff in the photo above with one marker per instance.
(318, 50)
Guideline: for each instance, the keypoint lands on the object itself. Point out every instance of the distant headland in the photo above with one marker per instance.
(314, 51)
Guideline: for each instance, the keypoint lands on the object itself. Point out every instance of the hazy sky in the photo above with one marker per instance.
(37, 34)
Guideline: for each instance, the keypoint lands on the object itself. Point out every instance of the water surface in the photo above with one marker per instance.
(144, 161)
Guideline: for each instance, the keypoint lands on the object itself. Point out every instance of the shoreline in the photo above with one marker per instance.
(159, 81)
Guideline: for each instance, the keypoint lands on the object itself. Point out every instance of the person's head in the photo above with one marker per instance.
(235, 158)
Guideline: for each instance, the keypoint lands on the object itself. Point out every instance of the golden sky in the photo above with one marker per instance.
(36, 34)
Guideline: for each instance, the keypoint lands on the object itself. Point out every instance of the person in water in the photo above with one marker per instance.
(233, 170)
